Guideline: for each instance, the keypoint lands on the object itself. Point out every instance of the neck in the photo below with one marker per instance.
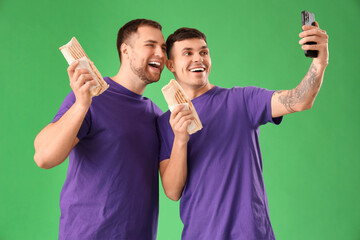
(195, 91)
(129, 80)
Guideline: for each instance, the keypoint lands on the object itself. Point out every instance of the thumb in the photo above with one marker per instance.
(317, 24)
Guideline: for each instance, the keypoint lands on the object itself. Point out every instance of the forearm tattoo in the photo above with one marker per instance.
(299, 94)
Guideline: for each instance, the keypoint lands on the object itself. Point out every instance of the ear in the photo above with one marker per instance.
(124, 49)
(170, 65)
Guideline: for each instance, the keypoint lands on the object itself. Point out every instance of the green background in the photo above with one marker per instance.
(311, 161)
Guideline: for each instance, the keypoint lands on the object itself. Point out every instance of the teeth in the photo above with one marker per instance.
(197, 69)
(155, 63)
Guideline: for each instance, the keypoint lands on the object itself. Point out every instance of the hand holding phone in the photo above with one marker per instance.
(308, 18)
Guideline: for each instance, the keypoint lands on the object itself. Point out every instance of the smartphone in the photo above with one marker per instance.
(308, 18)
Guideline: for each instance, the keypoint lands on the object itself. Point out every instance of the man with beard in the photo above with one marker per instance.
(111, 188)
(217, 171)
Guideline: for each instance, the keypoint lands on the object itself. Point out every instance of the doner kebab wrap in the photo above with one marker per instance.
(73, 51)
(174, 96)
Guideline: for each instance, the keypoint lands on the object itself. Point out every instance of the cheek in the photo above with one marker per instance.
(180, 66)
(208, 62)
(185, 64)
(142, 53)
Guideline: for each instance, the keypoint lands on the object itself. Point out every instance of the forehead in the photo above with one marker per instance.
(189, 44)
(145, 33)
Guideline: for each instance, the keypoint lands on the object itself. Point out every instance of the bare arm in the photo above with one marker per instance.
(303, 96)
(54, 143)
(173, 171)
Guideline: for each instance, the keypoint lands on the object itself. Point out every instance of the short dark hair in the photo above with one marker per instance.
(182, 34)
(130, 28)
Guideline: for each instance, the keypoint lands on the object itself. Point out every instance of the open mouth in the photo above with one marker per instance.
(199, 69)
(154, 64)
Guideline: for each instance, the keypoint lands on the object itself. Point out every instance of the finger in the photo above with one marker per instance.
(175, 111)
(308, 27)
(71, 68)
(182, 114)
(186, 112)
(178, 117)
(315, 31)
(317, 24)
(188, 117)
(180, 124)
(78, 72)
(184, 119)
(308, 32)
(89, 84)
(83, 79)
(312, 47)
(313, 39)
(185, 125)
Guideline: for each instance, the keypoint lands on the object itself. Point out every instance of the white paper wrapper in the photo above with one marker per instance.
(84, 63)
(186, 106)
(192, 125)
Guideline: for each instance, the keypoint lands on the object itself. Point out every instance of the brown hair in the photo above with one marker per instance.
(130, 28)
(182, 34)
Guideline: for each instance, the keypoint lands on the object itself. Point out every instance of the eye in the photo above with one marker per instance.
(204, 53)
(187, 53)
(163, 49)
(150, 45)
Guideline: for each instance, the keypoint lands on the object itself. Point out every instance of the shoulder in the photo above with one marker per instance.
(234, 90)
(229, 92)
(156, 110)
(69, 100)
(249, 91)
(70, 96)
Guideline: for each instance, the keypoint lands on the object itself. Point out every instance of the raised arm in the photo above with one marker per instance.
(173, 171)
(54, 143)
(303, 96)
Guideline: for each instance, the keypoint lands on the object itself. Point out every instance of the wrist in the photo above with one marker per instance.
(181, 140)
(320, 65)
(81, 106)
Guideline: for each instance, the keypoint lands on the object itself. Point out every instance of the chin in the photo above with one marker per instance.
(150, 81)
(199, 82)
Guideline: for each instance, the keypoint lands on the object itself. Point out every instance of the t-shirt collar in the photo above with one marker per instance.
(121, 89)
(209, 92)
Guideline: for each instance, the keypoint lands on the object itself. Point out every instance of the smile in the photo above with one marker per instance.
(199, 69)
(154, 64)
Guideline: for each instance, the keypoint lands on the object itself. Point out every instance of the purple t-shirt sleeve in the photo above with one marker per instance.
(67, 103)
(166, 135)
(258, 106)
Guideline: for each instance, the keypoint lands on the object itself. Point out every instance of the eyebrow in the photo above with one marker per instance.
(189, 49)
(153, 41)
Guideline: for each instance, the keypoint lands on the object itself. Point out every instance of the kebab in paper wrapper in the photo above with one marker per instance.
(73, 51)
(174, 96)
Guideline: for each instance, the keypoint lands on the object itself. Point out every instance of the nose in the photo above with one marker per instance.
(198, 58)
(159, 52)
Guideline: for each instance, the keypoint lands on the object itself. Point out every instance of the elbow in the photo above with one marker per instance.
(308, 106)
(305, 106)
(41, 161)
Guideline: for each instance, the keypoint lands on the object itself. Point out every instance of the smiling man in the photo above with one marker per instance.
(217, 171)
(111, 188)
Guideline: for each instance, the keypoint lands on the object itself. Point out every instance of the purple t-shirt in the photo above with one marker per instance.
(224, 196)
(111, 188)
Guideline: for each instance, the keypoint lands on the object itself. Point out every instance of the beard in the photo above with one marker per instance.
(143, 73)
